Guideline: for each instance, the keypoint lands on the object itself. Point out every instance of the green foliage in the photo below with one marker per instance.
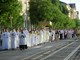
(56, 3)
(61, 6)
(41, 10)
(77, 23)
(50, 10)
(63, 9)
(71, 24)
(10, 10)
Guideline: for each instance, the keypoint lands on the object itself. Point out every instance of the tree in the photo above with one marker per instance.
(77, 21)
(71, 24)
(56, 3)
(10, 11)
(61, 19)
(50, 10)
(64, 9)
(41, 10)
(61, 6)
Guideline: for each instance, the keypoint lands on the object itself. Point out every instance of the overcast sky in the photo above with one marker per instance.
(77, 2)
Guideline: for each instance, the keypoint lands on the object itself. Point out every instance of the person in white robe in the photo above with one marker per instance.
(29, 43)
(37, 37)
(69, 34)
(13, 35)
(25, 31)
(47, 35)
(53, 32)
(41, 36)
(44, 35)
(22, 40)
(17, 38)
(33, 38)
(6, 43)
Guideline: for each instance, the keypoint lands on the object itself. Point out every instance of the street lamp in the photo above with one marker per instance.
(26, 14)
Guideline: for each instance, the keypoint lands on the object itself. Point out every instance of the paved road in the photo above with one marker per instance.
(57, 50)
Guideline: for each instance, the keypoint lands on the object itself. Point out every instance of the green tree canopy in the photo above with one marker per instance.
(64, 9)
(41, 10)
(77, 23)
(56, 3)
(10, 10)
(50, 10)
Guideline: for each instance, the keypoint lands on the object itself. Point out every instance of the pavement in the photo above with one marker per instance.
(57, 50)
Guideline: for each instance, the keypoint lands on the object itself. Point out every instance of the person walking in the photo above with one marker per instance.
(6, 43)
(22, 41)
(13, 35)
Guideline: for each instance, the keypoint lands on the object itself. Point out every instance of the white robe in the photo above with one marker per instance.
(38, 39)
(29, 40)
(47, 35)
(33, 39)
(13, 40)
(27, 36)
(6, 43)
(69, 34)
(17, 38)
(53, 32)
(44, 35)
(22, 38)
(41, 36)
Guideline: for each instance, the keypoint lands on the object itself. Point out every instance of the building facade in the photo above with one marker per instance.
(73, 13)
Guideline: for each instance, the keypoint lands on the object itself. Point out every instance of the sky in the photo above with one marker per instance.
(77, 2)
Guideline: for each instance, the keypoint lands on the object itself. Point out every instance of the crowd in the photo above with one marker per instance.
(23, 38)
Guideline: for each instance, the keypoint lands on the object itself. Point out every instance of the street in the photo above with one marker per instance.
(39, 29)
(57, 50)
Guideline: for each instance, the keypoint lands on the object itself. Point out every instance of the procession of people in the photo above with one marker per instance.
(22, 38)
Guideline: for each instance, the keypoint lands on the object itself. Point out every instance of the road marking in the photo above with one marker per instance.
(47, 47)
(67, 58)
(37, 46)
(35, 54)
(37, 57)
(47, 52)
(56, 51)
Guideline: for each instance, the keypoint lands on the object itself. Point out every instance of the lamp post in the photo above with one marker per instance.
(26, 14)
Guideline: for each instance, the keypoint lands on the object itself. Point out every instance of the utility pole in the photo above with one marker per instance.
(26, 15)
